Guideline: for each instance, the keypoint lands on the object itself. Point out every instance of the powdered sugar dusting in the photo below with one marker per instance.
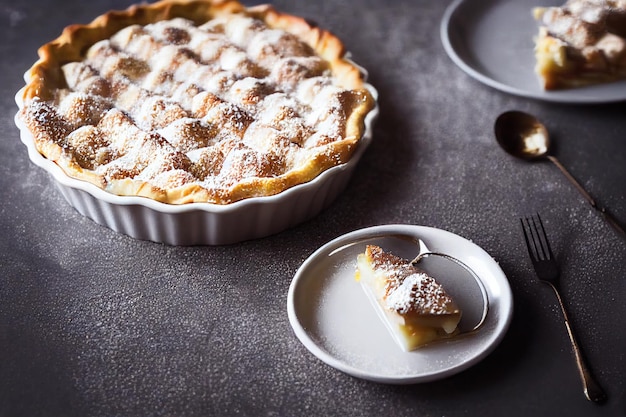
(168, 95)
(587, 25)
(407, 289)
(415, 289)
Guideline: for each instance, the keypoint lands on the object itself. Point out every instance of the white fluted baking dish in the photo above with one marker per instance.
(202, 223)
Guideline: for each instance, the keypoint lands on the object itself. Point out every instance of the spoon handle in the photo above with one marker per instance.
(608, 217)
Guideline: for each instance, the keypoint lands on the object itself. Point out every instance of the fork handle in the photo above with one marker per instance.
(593, 391)
(608, 217)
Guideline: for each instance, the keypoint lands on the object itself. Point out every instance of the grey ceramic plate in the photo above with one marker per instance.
(331, 315)
(492, 41)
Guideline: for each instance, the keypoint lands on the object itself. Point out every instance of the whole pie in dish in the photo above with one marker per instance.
(195, 101)
(581, 43)
(414, 306)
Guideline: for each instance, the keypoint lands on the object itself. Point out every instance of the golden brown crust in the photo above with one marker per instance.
(46, 77)
(71, 45)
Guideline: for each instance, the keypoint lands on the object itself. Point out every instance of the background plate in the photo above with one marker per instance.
(333, 318)
(492, 41)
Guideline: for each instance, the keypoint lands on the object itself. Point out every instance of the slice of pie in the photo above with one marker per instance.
(415, 308)
(581, 43)
(195, 101)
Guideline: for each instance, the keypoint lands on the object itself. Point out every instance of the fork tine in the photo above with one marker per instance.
(538, 241)
(530, 244)
(536, 238)
(545, 242)
(533, 242)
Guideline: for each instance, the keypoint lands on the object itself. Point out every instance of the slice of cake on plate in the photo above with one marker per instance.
(415, 308)
(581, 43)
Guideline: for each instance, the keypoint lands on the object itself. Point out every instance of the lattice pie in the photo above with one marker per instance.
(415, 308)
(195, 101)
(581, 43)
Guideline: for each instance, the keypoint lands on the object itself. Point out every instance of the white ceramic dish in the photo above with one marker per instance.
(492, 41)
(202, 223)
(331, 315)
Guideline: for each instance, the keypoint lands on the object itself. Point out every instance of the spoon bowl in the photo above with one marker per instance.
(522, 135)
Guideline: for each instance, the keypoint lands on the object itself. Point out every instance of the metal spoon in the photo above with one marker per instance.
(463, 290)
(523, 136)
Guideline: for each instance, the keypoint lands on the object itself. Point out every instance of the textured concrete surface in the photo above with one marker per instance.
(95, 323)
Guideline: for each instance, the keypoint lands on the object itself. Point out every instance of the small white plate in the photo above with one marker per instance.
(493, 41)
(331, 315)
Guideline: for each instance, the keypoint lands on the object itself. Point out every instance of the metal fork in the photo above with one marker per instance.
(547, 270)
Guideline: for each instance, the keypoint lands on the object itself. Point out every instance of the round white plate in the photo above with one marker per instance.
(492, 41)
(331, 315)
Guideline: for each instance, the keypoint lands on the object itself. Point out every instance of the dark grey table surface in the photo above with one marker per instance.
(96, 323)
